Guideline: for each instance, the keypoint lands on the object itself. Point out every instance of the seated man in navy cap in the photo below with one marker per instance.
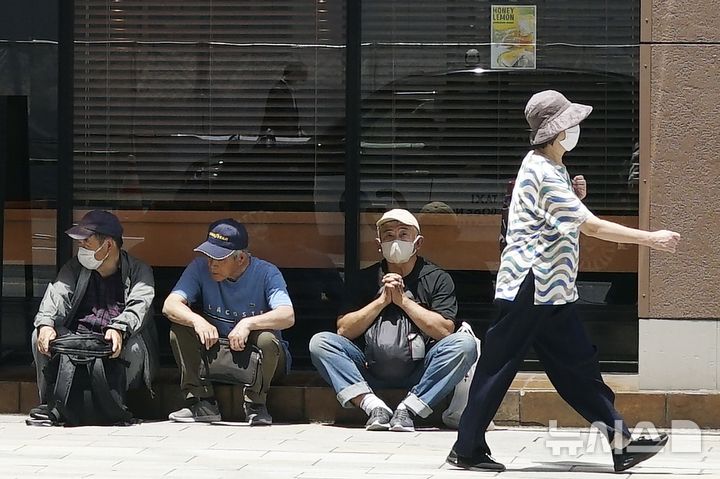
(101, 290)
(243, 299)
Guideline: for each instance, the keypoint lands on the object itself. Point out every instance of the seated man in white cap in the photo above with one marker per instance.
(404, 311)
(243, 299)
(102, 290)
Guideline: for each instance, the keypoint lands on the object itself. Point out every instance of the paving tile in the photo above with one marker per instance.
(390, 447)
(44, 451)
(282, 457)
(254, 445)
(356, 473)
(21, 471)
(189, 473)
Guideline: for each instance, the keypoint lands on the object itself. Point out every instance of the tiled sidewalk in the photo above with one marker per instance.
(200, 451)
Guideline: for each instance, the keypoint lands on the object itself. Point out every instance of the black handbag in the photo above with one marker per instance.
(223, 365)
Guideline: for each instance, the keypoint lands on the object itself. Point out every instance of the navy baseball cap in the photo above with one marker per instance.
(96, 221)
(224, 237)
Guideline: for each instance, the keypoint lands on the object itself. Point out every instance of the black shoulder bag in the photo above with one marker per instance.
(223, 365)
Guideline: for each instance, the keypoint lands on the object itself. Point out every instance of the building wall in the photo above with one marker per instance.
(680, 122)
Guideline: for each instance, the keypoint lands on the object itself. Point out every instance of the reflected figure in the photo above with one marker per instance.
(282, 116)
(451, 227)
(472, 58)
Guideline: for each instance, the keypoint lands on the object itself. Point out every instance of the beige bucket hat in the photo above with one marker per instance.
(548, 113)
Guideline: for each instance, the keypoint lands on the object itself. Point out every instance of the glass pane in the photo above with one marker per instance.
(28, 167)
(191, 111)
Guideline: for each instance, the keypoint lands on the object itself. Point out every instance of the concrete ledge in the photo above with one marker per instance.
(303, 397)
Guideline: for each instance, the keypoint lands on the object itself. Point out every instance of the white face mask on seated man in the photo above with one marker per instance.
(87, 257)
(398, 251)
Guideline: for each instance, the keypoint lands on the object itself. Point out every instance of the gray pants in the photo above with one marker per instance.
(131, 352)
(186, 349)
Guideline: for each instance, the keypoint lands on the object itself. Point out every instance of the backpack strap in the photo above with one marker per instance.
(59, 413)
(111, 406)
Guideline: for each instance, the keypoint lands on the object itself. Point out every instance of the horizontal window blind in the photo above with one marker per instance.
(439, 125)
(191, 104)
(240, 104)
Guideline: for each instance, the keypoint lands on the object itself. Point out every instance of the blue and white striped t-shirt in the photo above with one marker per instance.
(543, 233)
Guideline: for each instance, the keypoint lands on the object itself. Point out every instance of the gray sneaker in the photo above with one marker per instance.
(379, 420)
(202, 410)
(257, 414)
(402, 421)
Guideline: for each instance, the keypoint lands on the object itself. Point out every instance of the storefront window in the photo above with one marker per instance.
(443, 132)
(189, 111)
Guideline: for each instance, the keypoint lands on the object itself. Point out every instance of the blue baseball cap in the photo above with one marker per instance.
(96, 221)
(224, 237)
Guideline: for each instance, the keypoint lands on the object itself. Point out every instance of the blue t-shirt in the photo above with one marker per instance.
(260, 289)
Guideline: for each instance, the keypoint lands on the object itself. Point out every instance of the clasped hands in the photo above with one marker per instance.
(393, 289)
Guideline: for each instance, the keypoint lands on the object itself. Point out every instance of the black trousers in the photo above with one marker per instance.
(565, 351)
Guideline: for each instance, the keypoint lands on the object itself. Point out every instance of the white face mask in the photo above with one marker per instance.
(398, 251)
(87, 258)
(572, 135)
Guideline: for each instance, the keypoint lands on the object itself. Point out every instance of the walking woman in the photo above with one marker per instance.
(536, 293)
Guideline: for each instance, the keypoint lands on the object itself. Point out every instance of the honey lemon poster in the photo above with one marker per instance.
(513, 36)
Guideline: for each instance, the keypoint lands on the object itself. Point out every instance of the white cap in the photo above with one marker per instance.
(402, 216)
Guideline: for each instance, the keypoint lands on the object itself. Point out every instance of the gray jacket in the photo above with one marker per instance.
(62, 299)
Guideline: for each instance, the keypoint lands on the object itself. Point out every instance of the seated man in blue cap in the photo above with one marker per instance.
(241, 298)
(102, 290)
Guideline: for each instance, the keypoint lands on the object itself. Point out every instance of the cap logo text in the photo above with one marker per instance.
(218, 236)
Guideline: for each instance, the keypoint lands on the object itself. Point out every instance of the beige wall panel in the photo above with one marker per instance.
(684, 179)
(682, 20)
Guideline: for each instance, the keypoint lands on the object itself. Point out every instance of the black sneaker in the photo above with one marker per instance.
(379, 420)
(638, 451)
(480, 463)
(257, 414)
(202, 410)
(402, 421)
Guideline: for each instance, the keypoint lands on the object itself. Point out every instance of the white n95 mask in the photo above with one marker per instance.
(398, 251)
(572, 135)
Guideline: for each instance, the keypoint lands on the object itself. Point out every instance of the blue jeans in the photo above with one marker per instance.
(342, 364)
